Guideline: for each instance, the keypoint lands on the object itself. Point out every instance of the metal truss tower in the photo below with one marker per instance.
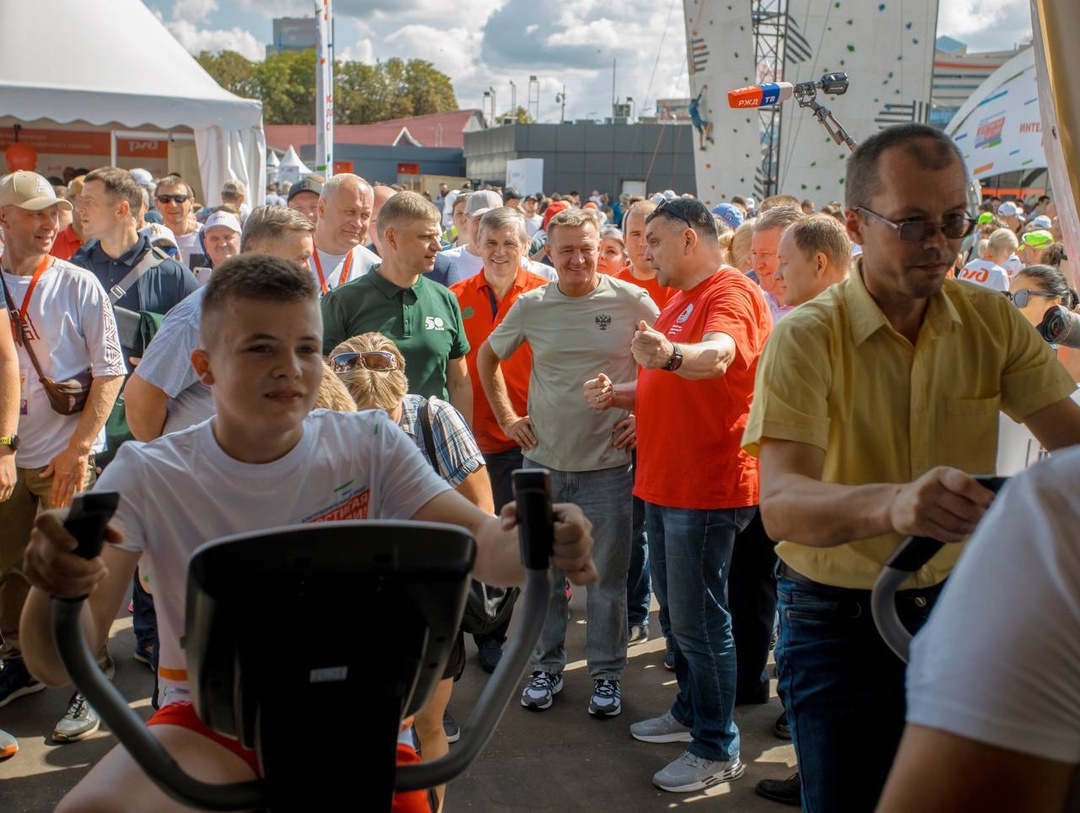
(769, 20)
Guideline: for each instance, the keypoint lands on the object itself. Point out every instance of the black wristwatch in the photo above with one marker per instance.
(675, 362)
(10, 440)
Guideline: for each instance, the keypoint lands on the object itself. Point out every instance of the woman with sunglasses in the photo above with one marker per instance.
(373, 369)
(1038, 288)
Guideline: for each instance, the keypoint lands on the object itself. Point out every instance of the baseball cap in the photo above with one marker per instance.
(304, 185)
(142, 176)
(511, 194)
(1041, 222)
(29, 191)
(985, 217)
(730, 213)
(219, 218)
(234, 187)
(484, 199)
(751, 204)
(538, 197)
(1009, 209)
(1040, 238)
(553, 209)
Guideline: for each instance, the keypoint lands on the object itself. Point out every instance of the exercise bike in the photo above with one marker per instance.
(311, 586)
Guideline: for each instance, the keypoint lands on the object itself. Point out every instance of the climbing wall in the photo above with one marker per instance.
(720, 57)
(887, 49)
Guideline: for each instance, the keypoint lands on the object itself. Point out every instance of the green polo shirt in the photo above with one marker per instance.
(424, 321)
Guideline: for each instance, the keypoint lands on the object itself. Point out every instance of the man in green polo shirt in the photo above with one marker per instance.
(874, 404)
(395, 299)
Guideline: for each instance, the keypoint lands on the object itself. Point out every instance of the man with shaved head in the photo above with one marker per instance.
(341, 231)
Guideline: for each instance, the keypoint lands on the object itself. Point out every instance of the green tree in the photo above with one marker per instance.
(285, 83)
(520, 116)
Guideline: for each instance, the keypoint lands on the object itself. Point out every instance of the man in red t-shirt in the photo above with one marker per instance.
(637, 271)
(485, 299)
(700, 489)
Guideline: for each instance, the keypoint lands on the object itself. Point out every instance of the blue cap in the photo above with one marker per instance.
(731, 214)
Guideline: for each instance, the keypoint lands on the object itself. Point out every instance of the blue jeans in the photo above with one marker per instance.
(690, 557)
(843, 689)
(604, 496)
(638, 587)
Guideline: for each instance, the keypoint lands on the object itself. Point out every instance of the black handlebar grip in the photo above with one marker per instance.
(86, 521)
(913, 553)
(536, 520)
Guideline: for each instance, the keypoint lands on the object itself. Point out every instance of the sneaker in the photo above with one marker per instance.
(781, 728)
(639, 634)
(540, 691)
(79, 722)
(690, 772)
(664, 728)
(450, 727)
(15, 682)
(144, 655)
(669, 655)
(108, 666)
(606, 699)
(785, 791)
(489, 652)
(9, 746)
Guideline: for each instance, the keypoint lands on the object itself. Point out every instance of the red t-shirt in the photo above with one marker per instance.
(481, 311)
(689, 451)
(660, 293)
(66, 244)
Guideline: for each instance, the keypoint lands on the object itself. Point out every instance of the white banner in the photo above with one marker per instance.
(999, 128)
(324, 89)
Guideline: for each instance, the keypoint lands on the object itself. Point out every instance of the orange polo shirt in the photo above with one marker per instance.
(481, 311)
(66, 244)
(660, 294)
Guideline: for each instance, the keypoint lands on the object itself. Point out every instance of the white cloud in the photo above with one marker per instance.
(986, 26)
(194, 11)
(196, 39)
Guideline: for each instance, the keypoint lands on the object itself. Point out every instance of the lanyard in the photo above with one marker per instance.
(346, 268)
(46, 261)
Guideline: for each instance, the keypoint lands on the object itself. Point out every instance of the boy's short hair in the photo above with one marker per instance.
(374, 389)
(261, 277)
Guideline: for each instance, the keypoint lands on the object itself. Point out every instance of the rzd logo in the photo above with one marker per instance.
(434, 323)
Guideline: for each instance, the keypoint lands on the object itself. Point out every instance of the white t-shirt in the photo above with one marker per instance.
(72, 329)
(188, 244)
(333, 264)
(460, 264)
(533, 224)
(166, 364)
(1013, 265)
(999, 659)
(985, 273)
(182, 490)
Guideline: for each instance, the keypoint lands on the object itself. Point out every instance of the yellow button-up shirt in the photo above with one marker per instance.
(837, 375)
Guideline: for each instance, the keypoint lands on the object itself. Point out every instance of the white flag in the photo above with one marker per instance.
(324, 89)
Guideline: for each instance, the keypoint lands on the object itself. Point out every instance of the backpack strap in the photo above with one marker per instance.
(153, 257)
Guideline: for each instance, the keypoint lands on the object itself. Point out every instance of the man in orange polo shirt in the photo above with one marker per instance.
(692, 401)
(485, 299)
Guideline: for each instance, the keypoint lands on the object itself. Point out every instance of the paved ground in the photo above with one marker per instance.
(557, 760)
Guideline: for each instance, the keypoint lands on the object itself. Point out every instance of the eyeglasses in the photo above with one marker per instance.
(954, 227)
(379, 361)
(1023, 296)
(172, 198)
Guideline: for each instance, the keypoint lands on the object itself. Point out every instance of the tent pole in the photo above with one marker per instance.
(112, 148)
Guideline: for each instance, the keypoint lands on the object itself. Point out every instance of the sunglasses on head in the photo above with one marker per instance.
(954, 227)
(172, 198)
(379, 361)
(672, 209)
(1023, 296)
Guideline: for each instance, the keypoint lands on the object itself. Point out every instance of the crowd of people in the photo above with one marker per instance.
(744, 409)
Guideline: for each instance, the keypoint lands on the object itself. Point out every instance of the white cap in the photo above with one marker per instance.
(219, 218)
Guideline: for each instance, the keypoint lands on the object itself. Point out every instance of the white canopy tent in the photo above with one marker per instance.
(111, 65)
(291, 168)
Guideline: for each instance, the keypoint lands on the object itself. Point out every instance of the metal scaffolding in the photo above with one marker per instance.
(769, 19)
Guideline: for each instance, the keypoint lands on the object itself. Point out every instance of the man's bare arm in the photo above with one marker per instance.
(939, 772)
(797, 506)
(460, 388)
(519, 429)
(1057, 425)
(145, 407)
(68, 468)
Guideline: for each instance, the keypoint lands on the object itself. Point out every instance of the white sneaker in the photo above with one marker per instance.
(664, 728)
(79, 722)
(690, 772)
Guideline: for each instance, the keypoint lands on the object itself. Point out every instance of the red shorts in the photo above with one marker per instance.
(184, 716)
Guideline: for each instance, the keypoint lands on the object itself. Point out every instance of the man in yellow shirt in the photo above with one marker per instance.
(873, 407)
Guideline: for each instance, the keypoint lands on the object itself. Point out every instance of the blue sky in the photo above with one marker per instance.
(489, 44)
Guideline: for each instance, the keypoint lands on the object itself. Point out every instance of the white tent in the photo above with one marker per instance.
(291, 168)
(111, 66)
(998, 128)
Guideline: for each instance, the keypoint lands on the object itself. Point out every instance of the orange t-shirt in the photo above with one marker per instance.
(481, 311)
(65, 245)
(660, 294)
(689, 451)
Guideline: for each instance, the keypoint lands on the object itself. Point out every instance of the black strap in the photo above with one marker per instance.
(423, 418)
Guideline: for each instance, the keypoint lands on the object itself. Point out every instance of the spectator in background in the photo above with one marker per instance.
(769, 227)
(1033, 245)
(175, 201)
(381, 194)
(70, 238)
(303, 196)
(530, 206)
(341, 231)
(464, 260)
(1011, 214)
(613, 254)
(220, 239)
(234, 193)
(989, 271)
(1038, 288)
